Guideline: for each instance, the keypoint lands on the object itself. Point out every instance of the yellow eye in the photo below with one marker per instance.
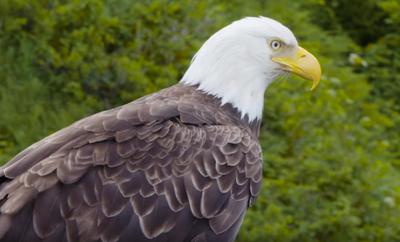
(275, 44)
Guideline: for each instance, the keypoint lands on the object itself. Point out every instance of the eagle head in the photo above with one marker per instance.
(239, 61)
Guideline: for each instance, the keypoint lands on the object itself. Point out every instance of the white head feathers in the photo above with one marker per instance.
(235, 63)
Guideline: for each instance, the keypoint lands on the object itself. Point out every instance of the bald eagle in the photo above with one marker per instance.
(181, 164)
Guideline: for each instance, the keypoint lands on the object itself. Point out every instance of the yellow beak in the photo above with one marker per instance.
(304, 64)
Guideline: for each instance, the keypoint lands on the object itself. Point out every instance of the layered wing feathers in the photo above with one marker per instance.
(148, 170)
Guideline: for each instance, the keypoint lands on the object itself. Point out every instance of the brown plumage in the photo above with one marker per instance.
(171, 166)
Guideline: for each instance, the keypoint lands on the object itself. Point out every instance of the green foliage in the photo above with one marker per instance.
(374, 24)
(91, 53)
(331, 158)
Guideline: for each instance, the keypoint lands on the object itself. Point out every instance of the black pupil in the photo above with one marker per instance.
(276, 44)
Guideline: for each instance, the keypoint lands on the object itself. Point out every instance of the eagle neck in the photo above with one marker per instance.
(245, 94)
(202, 98)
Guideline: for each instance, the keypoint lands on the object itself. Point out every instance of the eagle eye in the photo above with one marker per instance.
(276, 44)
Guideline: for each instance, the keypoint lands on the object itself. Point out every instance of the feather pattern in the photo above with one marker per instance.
(146, 171)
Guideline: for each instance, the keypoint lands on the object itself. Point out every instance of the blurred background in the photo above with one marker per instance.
(331, 157)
